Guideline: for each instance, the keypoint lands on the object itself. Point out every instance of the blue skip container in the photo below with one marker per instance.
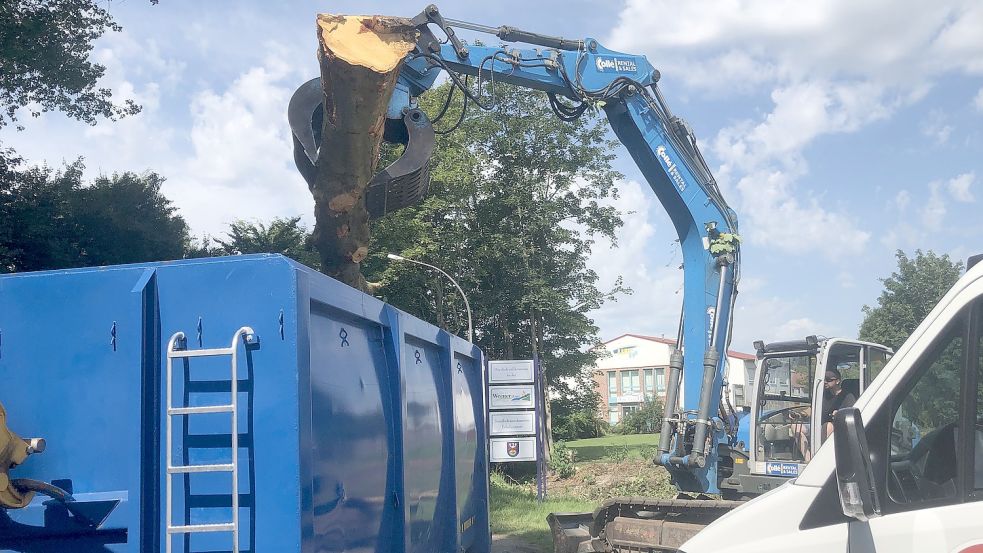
(243, 404)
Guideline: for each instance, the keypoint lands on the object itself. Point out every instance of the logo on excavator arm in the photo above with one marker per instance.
(618, 65)
(671, 168)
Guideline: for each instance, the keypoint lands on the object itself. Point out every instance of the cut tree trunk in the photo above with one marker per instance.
(360, 58)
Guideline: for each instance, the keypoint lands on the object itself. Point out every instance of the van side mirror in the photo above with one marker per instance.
(854, 473)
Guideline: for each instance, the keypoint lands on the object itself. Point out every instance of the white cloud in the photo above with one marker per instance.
(902, 199)
(242, 165)
(978, 101)
(936, 127)
(960, 187)
(657, 294)
(796, 40)
(763, 161)
(771, 319)
(831, 66)
(934, 210)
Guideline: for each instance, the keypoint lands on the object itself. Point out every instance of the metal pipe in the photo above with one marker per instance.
(467, 305)
(672, 392)
(471, 26)
(511, 34)
(711, 359)
(672, 389)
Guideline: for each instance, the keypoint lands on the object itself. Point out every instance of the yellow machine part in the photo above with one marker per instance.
(13, 451)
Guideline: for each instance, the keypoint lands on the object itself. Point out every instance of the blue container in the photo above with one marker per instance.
(360, 428)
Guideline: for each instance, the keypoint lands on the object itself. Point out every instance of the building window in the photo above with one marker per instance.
(629, 383)
(649, 383)
(660, 380)
(739, 400)
(626, 409)
(613, 415)
(612, 387)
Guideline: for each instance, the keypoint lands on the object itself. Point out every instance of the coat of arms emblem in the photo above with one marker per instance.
(513, 449)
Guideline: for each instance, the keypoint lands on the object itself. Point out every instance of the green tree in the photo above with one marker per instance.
(909, 294)
(52, 220)
(516, 205)
(284, 235)
(44, 60)
(126, 219)
(647, 420)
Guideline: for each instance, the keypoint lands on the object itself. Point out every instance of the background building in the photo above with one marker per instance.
(635, 370)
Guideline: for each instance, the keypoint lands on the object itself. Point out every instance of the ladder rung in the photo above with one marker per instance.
(200, 410)
(200, 352)
(192, 528)
(200, 468)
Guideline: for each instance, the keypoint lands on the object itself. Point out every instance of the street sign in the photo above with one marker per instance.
(506, 423)
(511, 372)
(512, 397)
(504, 450)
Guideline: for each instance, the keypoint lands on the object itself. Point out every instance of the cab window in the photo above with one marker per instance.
(876, 360)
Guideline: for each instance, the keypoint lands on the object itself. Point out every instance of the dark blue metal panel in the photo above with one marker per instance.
(466, 378)
(349, 387)
(423, 446)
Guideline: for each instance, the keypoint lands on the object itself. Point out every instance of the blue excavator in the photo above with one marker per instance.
(701, 445)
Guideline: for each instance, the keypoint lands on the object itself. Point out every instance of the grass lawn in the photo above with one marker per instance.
(615, 446)
(515, 512)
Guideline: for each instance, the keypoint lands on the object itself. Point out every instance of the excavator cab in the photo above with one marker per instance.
(401, 184)
(789, 402)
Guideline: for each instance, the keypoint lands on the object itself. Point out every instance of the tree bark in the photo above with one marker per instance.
(360, 58)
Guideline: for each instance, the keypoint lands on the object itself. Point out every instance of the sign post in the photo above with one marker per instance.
(540, 432)
(515, 415)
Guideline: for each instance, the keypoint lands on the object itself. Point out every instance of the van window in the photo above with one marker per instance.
(978, 430)
(923, 446)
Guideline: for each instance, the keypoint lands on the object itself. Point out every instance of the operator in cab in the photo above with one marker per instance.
(836, 398)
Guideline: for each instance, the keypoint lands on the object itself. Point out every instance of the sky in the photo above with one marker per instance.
(839, 131)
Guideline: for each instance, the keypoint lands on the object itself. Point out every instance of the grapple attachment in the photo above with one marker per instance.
(403, 183)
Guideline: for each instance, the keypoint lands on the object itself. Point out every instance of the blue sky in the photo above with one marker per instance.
(839, 131)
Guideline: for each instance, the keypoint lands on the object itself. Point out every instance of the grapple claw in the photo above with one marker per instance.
(403, 183)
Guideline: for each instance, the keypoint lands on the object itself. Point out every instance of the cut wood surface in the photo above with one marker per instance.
(360, 58)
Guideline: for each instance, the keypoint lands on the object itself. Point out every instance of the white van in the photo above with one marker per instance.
(901, 473)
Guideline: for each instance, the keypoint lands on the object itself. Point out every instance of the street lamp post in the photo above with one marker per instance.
(467, 305)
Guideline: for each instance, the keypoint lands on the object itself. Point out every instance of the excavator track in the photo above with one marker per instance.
(636, 524)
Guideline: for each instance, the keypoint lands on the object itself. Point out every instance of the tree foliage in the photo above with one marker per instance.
(516, 205)
(283, 235)
(909, 294)
(51, 220)
(647, 420)
(44, 60)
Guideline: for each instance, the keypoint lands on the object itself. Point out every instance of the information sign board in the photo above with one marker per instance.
(512, 397)
(511, 372)
(507, 423)
(504, 450)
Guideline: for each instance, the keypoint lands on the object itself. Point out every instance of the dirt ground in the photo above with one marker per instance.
(599, 480)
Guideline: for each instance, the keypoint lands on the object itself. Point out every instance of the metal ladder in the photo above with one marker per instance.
(175, 350)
